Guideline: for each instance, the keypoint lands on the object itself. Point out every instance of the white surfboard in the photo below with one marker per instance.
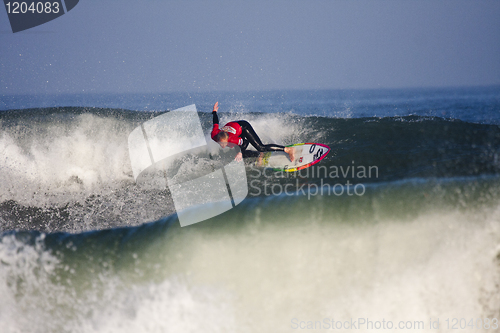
(306, 155)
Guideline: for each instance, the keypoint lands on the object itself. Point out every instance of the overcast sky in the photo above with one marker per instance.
(201, 45)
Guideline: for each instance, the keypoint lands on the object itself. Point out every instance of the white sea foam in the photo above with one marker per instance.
(440, 265)
(265, 277)
(50, 159)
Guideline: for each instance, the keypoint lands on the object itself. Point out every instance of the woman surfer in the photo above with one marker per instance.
(241, 133)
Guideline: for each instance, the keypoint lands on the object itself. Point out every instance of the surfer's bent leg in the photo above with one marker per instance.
(248, 134)
(247, 153)
(250, 153)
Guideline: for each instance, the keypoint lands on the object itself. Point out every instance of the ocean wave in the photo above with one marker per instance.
(406, 252)
(69, 167)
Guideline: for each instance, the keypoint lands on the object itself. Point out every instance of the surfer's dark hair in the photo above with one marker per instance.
(222, 135)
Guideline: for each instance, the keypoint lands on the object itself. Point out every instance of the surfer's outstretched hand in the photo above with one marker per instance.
(238, 157)
(216, 107)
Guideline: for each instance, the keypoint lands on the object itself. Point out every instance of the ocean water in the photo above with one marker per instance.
(398, 225)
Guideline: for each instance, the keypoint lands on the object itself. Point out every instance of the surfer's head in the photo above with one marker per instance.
(222, 138)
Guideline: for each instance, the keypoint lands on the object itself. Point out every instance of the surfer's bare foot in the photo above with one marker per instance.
(259, 160)
(291, 153)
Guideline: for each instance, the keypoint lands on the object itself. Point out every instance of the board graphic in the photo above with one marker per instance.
(306, 155)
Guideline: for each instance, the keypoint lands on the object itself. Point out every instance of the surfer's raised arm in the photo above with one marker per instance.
(217, 134)
(214, 113)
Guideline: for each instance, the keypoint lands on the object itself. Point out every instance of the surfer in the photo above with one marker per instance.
(241, 133)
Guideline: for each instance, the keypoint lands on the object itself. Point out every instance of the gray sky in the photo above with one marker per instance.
(194, 45)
